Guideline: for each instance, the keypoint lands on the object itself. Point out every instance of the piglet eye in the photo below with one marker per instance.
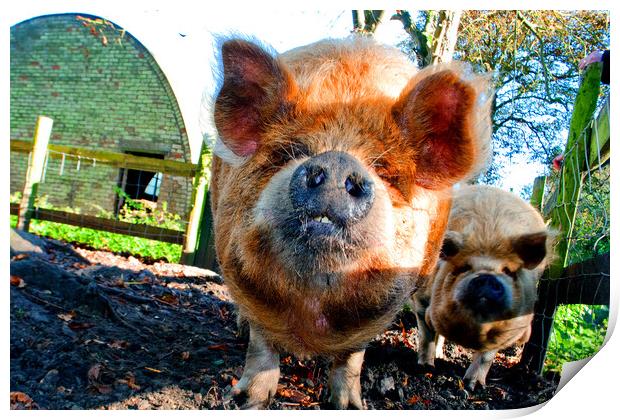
(461, 269)
(508, 272)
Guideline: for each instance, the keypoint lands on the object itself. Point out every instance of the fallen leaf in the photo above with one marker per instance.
(19, 257)
(94, 372)
(96, 381)
(234, 381)
(67, 316)
(118, 344)
(130, 381)
(76, 326)
(299, 397)
(294, 395)
(178, 286)
(21, 401)
(218, 347)
(120, 282)
(102, 388)
(413, 400)
(428, 375)
(185, 355)
(170, 299)
(152, 370)
(18, 282)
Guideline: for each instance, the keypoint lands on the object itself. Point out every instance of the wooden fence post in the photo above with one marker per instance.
(34, 173)
(199, 197)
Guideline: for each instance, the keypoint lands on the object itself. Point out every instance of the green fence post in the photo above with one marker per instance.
(538, 193)
(199, 196)
(563, 216)
(575, 156)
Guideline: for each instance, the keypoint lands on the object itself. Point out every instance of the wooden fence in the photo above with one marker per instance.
(585, 282)
(197, 249)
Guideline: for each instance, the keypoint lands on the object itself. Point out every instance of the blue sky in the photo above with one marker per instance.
(179, 34)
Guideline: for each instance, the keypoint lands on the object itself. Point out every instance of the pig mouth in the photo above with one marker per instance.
(316, 241)
(320, 224)
(319, 231)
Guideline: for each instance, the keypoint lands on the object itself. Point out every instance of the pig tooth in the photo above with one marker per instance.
(322, 219)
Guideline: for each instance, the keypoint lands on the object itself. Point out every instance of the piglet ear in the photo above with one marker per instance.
(255, 90)
(531, 248)
(436, 116)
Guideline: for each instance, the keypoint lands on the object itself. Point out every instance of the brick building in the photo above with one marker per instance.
(103, 90)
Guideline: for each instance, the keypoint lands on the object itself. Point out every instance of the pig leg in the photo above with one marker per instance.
(426, 340)
(259, 381)
(344, 381)
(477, 372)
(439, 341)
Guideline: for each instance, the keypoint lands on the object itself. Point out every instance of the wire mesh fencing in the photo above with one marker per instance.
(573, 297)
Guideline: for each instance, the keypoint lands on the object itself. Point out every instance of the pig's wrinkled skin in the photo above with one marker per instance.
(330, 193)
(483, 293)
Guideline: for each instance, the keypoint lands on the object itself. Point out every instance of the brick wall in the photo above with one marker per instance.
(103, 90)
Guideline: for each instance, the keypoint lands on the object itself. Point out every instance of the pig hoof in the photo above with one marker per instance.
(472, 383)
(245, 401)
(426, 361)
(346, 399)
(252, 395)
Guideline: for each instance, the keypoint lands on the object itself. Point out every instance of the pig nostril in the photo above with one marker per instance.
(355, 186)
(315, 177)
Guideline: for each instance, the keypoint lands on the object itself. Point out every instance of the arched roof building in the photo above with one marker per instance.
(104, 90)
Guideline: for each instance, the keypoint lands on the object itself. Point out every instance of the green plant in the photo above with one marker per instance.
(133, 211)
(578, 332)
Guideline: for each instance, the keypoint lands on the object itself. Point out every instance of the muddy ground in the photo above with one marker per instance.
(94, 330)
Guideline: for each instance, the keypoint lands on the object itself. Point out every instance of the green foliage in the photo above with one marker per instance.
(145, 213)
(578, 332)
(591, 231)
(134, 211)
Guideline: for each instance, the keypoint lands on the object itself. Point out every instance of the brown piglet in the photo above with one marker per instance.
(330, 194)
(482, 296)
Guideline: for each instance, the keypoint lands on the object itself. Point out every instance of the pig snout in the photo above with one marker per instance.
(487, 294)
(332, 189)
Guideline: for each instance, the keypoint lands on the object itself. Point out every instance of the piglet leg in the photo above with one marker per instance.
(427, 339)
(259, 381)
(344, 381)
(477, 372)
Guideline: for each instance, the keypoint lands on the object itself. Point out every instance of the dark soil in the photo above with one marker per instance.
(95, 330)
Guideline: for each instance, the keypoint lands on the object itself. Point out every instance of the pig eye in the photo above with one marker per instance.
(287, 152)
(509, 273)
(462, 269)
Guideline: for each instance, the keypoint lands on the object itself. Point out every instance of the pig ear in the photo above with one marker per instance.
(531, 248)
(254, 90)
(435, 115)
(452, 244)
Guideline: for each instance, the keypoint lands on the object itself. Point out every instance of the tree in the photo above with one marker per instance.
(434, 37)
(365, 22)
(533, 58)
